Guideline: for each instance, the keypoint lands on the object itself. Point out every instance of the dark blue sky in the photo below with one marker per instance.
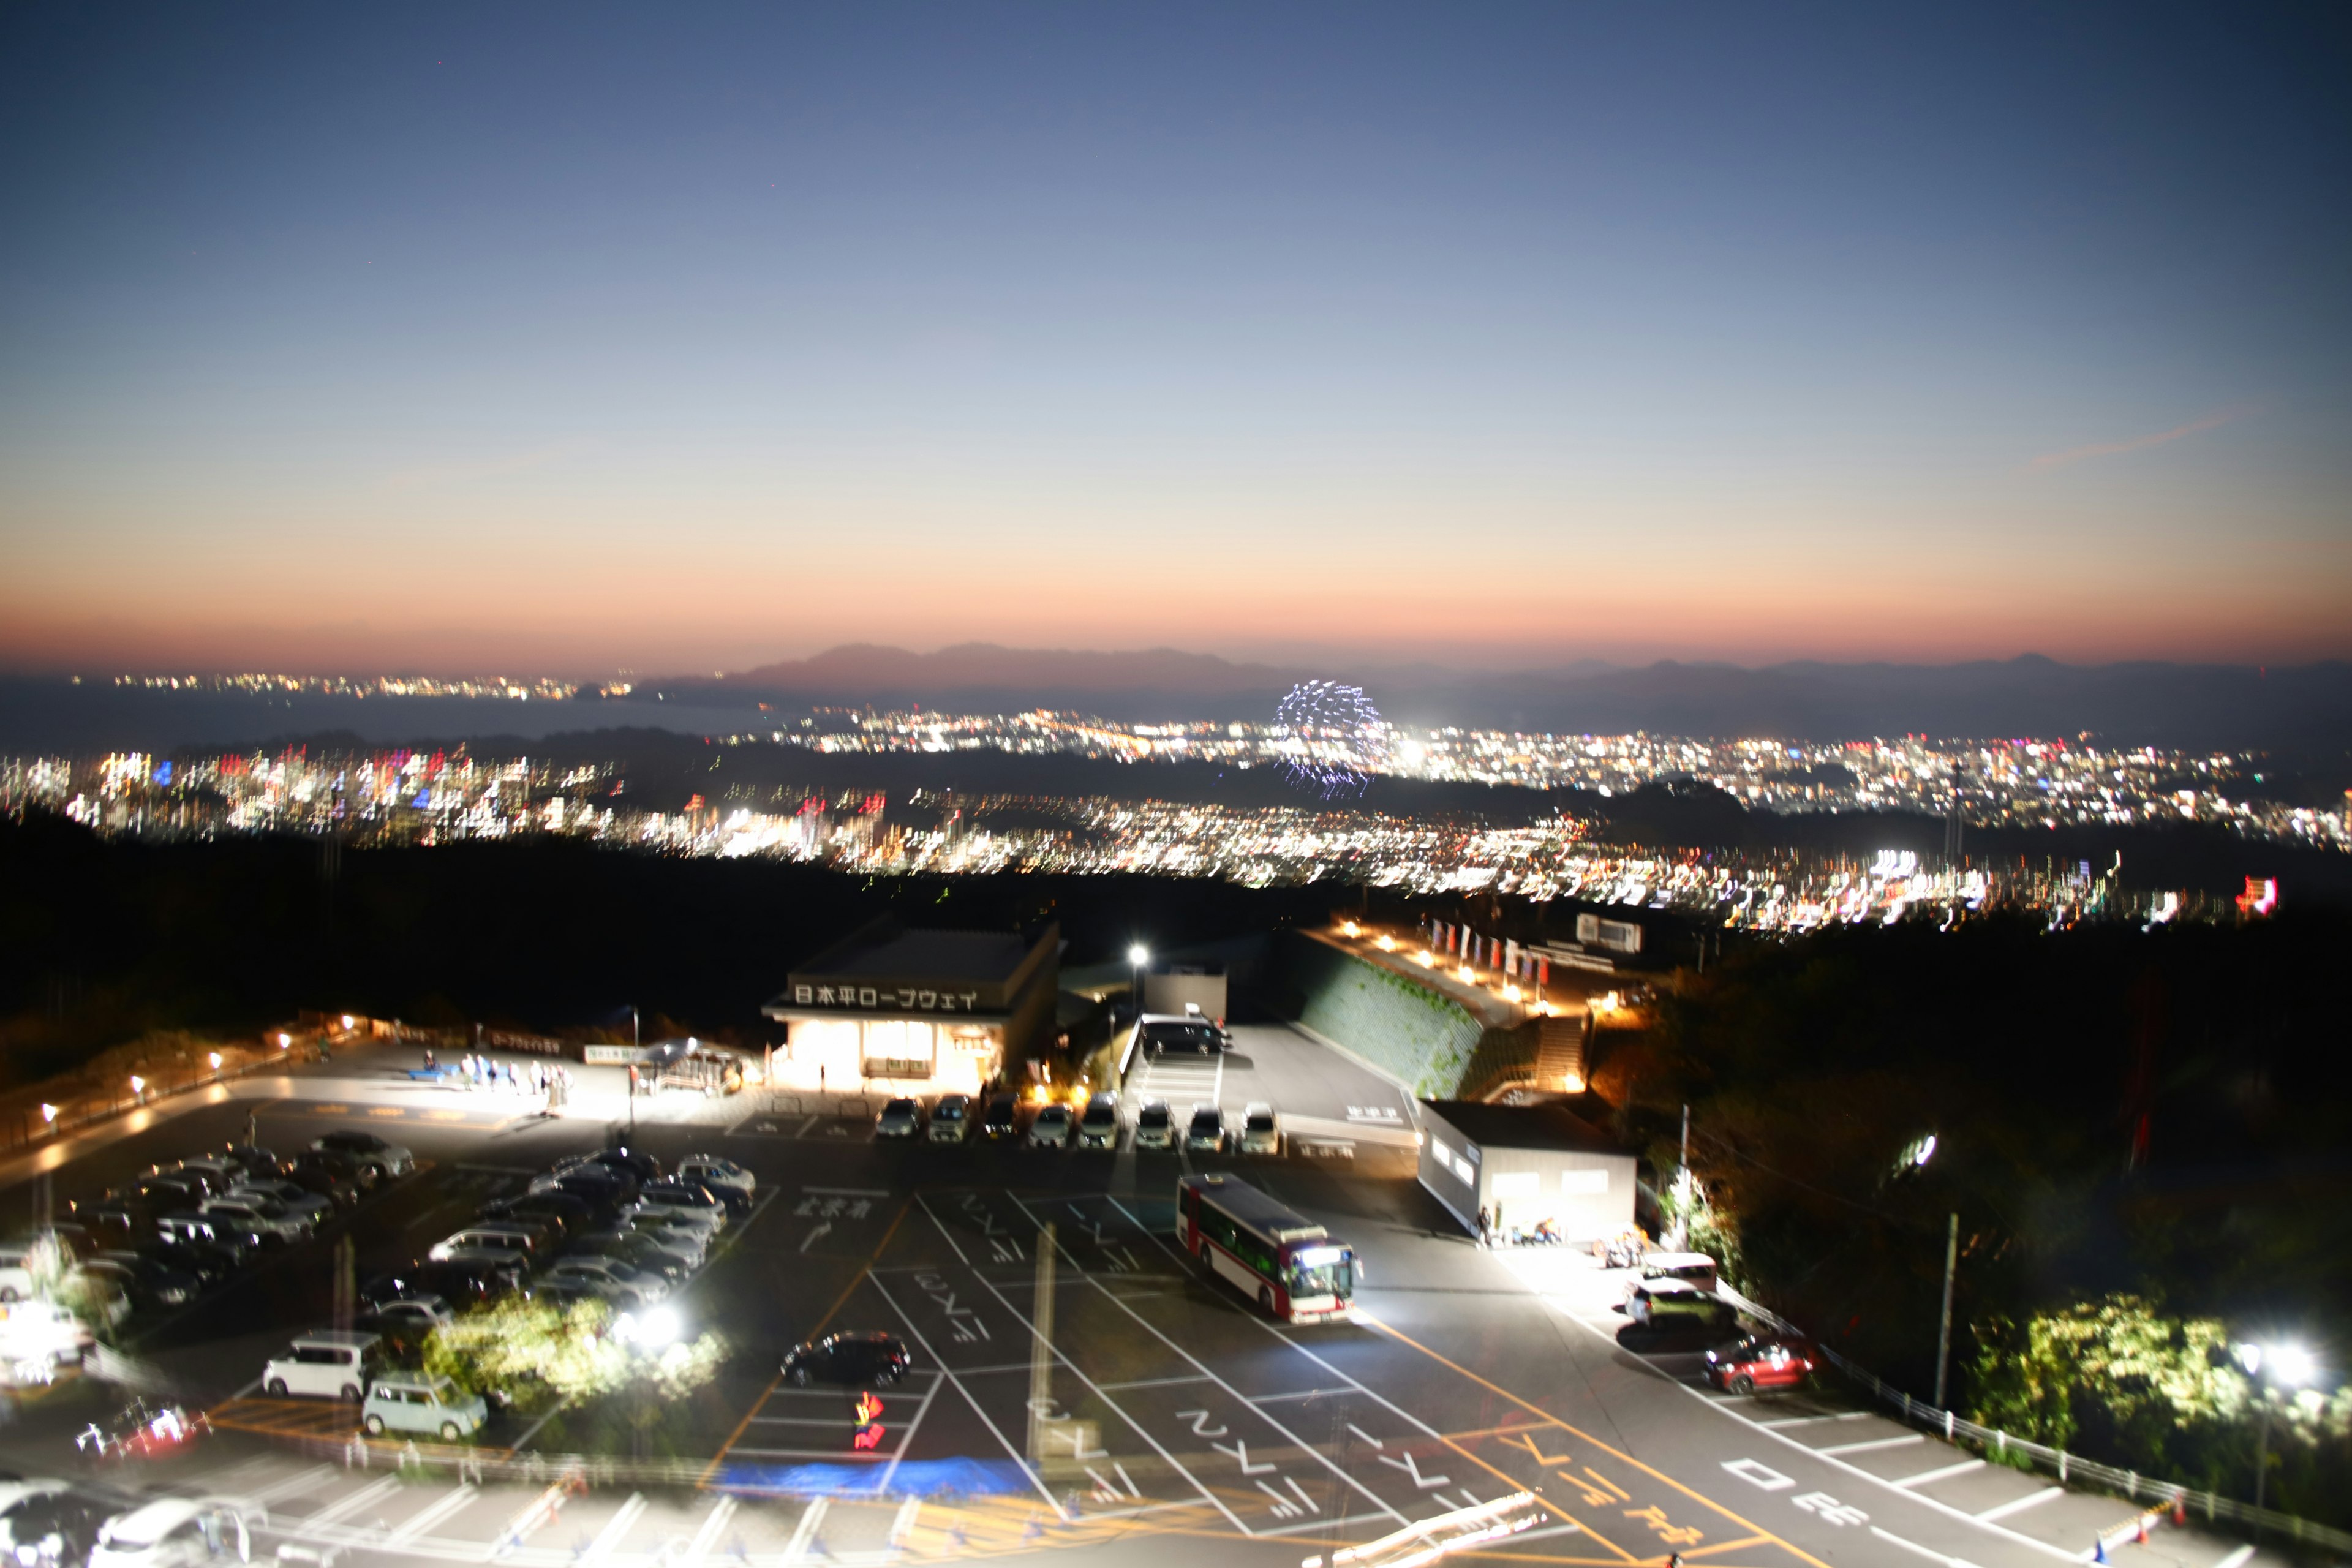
(581, 337)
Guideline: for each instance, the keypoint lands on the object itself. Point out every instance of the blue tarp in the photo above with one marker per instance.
(911, 1477)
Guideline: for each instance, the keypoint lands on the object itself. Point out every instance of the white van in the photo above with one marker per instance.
(1691, 1267)
(327, 1365)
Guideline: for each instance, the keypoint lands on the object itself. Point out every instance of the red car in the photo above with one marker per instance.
(1761, 1360)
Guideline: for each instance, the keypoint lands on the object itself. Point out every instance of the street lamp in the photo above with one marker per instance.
(1138, 957)
(215, 1061)
(2271, 1366)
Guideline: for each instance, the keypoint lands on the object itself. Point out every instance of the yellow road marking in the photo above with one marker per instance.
(1549, 1419)
(1724, 1546)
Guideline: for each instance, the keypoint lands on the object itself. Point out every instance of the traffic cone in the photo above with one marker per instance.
(2180, 1511)
(2142, 1538)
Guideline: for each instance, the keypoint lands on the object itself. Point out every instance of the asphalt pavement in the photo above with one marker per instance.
(1080, 1388)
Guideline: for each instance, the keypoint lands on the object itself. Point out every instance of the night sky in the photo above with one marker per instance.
(572, 338)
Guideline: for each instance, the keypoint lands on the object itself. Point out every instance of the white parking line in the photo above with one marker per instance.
(615, 1527)
(1809, 1420)
(1962, 1468)
(805, 1531)
(2031, 1499)
(1868, 1444)
(294, 1485)
(374, 1492)
(720, 1512)
(431, 1514)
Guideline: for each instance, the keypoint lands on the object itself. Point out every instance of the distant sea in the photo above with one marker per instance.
(52, 716)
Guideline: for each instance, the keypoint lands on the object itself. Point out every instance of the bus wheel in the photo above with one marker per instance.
(1265, 1299)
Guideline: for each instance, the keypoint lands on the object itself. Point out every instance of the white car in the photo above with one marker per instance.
(266, 1217)
(715, 1171)
(1155, 1126)
(326, 1364)
(660, 1199)
(1260, 1134)
(293, 1195)
(174, 1533)
(615, 1280)
(17, 1282)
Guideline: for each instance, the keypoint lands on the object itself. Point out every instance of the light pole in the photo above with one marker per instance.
(1140, 958)
(2269, 1366)
(636, 1045)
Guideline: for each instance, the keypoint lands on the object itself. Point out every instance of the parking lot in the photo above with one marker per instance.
(1077, 1386)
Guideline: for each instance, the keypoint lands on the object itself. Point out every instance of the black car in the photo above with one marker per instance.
(135, 1287)
(335, 1177)
(1182, 1035)
(207, 1262)
(217, 1229)
(859, 1360)
(253, 1160)
(567, 1214)
(638, 1163)
(1000, 1119)
(58, 1526)
(168, 1284)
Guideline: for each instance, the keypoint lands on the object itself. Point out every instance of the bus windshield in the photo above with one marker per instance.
(1323, 1271)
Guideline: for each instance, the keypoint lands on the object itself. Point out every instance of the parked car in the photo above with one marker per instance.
(1187, 1035)
(174, 1533)
(1677, 1304)
(630, 1286)
(316, 1208)
(328, 1174)
(220, 1172)
(205, 1180)
(17, 1282)
(900, 1118)
(860, 1359)
(718, 1173)
(257, 1164)
(639, 1250)
(327, 1363)
(1155, 1126)
(682, 1199)
(689, 1238)
(412, 1402)
(155, 1282)
(272, 1221)
(1050, 1129)
(1207, 1129)
(952, 1118)
(127, 1281)
(1001, 1119)
(495, 1241)
(1098, 1128)
(219, 1230)
(566, 1212)
(1761, 1360)
(208, 1262)
(420, 1312)
(1693, 1267)
(636, 1162)
(605, 1191)
(1260, 1133)
(377, 1160)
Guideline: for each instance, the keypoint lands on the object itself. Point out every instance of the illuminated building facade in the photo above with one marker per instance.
(896, 1010)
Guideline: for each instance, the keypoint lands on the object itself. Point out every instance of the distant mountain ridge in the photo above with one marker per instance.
(2305, 708)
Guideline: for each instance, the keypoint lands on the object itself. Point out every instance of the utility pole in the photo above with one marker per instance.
(1682, 1188)
(1041, 1354)
(1944, 1330)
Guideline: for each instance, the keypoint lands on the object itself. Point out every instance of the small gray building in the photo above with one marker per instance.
(1530, 1162)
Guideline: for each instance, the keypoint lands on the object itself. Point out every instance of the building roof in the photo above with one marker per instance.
(1551, 1127)
(887, 950)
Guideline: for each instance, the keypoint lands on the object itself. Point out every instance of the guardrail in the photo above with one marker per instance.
(2020, 1452)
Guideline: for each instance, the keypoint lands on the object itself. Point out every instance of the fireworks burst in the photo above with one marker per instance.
(1337, 738)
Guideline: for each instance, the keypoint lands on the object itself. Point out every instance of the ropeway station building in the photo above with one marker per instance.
(892, 1009)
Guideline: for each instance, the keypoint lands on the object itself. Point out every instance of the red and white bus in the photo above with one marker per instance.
(1284, 1262)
